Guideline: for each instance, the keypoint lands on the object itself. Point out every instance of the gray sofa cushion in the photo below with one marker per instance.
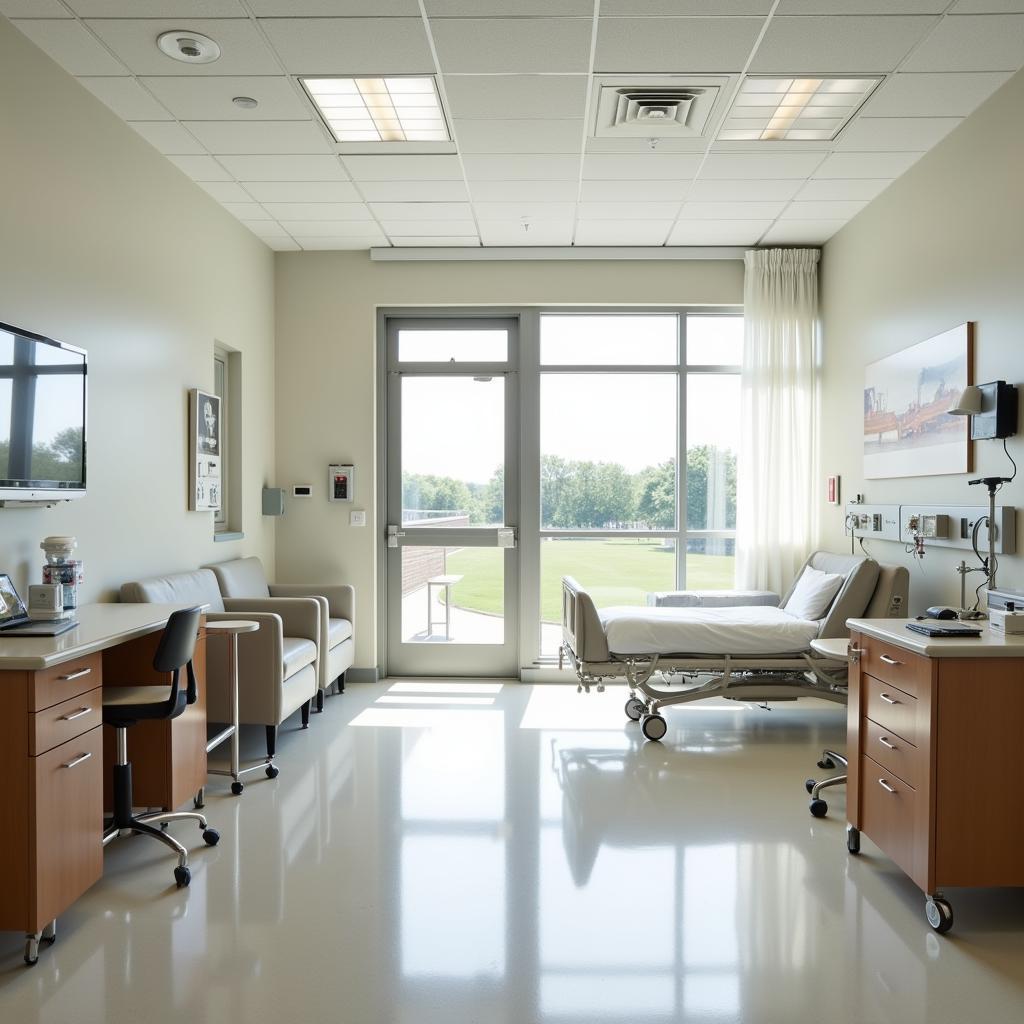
(242, 577)
(197, 587)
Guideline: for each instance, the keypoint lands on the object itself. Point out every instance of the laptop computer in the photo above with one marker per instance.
(937, 628)
(14, 619)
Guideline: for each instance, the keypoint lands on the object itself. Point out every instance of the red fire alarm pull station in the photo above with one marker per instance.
(341, 483)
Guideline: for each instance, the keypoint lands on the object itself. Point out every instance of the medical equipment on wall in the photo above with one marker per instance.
(341, 483)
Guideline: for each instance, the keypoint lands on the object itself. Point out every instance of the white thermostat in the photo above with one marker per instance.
(341, 483)
(302, 491)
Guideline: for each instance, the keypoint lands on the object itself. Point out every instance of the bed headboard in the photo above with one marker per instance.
(581, 627)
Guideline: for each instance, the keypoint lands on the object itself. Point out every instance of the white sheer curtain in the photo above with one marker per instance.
(776, 511)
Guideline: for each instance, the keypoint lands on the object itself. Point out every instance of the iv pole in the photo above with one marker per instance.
(989, 565)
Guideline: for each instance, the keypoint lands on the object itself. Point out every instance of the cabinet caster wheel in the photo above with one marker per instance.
(853, 840)
(826, 764)
(182, 876)
(940, 914)
(809, 785)
(49, 935)
(211, 836)
(653, 726)
(634, 709)
(31, 952)
(236, 788)
(272, 771)
(818, 808)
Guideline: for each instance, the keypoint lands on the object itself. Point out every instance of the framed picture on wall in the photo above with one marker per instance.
(907, 396)
(204, 451)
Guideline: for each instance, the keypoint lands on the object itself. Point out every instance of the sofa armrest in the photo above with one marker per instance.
(300, 616)
(341, 597)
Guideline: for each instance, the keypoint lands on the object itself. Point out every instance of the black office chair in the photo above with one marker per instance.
(123, 706)
(829, 760)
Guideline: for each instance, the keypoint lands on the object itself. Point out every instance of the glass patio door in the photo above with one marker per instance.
(452, 496)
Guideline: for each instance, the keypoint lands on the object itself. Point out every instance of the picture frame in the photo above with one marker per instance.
(204, 451)
(907, 427)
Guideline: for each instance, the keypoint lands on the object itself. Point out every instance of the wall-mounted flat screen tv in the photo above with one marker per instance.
(42, 418)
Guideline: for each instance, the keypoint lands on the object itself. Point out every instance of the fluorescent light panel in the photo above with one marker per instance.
(380, 109)
(794, 109)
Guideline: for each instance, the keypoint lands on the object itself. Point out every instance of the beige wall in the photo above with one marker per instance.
(326, 353)
(105, 245)
(943, 245)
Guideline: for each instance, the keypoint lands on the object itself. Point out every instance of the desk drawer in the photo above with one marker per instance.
(892, 752)
(61, 682)
(53, 726)
(912, 673)
(891, 708)
(888, 812)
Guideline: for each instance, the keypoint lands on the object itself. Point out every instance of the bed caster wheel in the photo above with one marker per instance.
(236, 788)
(272, 771)
(809, 785)
(940, 914)
(653, 727)
(818, 808)
(211, 836)
(182, 876)
(826, 764)
(852, 839)
(634, 709)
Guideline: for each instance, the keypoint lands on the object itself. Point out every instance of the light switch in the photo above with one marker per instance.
(357, 518)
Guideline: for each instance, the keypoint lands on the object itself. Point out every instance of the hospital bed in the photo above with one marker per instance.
(721, 645)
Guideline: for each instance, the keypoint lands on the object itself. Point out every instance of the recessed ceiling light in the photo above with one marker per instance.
(380, 109)
(245, 102)
(189, 47)
(794, 109)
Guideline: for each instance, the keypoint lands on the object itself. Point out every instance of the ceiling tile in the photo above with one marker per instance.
(318, 211)
(817, 45)
(749, 191)
(512, 232)
(209, 99)
(243, 51)
(718, 232)
(435, 240)
(933, 95)
(422, 211)
(862, 7)
(635, 8)
(628, 211)
(266, 228)
(331, 229)
(538, 96)
(838, 210)
(226, 191)
(988, 7)
(127, 99)
(167, 136)
(351, 46)
(302, 191)
(843, 188)
(412, 228)
(200, 168)
(648, 191)
(523, 8)
(282, 244)
(991, 42)
(513, 136)
(512, 45)
(157, 8)
(760, 165)
(532, 211)
(260, 137)
(33, 9)
(732, 211)
(622, 232)
(866, 165)
(414, 191)
(637, 167)
(72, 46)
(335, 8)
(404, 168)
(653, 45)
(342, 242)
(524, 191)
(898, 134)
(285, 168)
(247, 211)
(527, 166)
(802, 232)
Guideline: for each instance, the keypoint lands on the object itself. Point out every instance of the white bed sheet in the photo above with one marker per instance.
(741, 631)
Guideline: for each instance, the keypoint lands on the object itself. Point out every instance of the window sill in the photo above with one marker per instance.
(226, 535)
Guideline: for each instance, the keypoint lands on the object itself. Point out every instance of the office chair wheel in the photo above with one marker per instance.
(236, 788)
(809, 785)
(211, 836)
(273, 771)
(852, 839)
(653, 727)
(940, 914)
(182, 876)
(634, 709)
(826, 764)
(818, 808)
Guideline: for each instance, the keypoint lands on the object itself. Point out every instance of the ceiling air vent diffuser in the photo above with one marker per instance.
(669, 109)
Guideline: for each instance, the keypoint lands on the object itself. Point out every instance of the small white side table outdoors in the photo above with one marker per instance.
(447, 582)
(231, 628)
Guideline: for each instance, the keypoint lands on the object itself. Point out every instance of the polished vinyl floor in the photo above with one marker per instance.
(485, 852)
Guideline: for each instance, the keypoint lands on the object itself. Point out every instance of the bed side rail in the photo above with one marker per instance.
(581, 627)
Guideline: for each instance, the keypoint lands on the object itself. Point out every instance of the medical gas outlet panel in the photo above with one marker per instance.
(953, 526)
(878, 522)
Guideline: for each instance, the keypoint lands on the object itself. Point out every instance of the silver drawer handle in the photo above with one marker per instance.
(888, 699)
(886, 743)
(75, 675)
(888, 660)
(72, 715)
(885, 785)
(76, 760)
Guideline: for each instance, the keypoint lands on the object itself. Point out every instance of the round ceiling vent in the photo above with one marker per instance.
(188, 47)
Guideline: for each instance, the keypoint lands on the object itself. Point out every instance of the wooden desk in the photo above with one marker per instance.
(52, 748)
(933, 740)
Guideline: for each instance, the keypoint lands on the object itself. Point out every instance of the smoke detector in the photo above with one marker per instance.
(664, 107)
(188, 47)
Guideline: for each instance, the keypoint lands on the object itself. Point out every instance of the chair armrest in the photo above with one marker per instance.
(341, 597)
(300, 616)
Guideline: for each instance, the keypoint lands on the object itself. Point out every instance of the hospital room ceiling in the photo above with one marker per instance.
(551, 107)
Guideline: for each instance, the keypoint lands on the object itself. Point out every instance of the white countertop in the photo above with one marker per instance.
(990, 644)
(99, 626)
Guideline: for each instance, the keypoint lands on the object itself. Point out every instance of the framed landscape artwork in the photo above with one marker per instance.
(204, 451)
(907, 396)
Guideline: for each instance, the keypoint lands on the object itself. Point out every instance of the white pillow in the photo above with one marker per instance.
(813, 594)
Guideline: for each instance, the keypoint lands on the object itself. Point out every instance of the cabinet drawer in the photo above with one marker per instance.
(891, 708)
(54, 685)
(53, 726)
(888, 812)
(892, 752)
(912, 673)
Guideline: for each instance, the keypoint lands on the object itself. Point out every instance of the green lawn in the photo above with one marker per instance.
(612, 571)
